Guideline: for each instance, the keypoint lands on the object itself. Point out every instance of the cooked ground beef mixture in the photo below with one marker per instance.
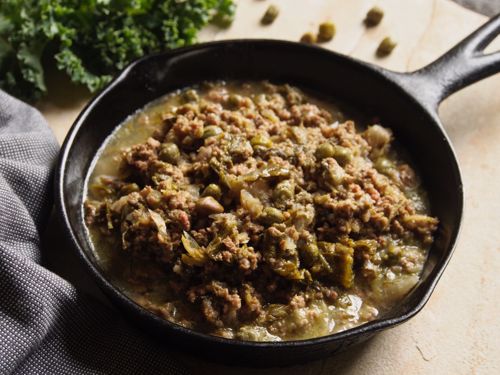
(254, 211)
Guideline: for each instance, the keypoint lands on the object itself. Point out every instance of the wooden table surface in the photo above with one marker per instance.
(458, 332)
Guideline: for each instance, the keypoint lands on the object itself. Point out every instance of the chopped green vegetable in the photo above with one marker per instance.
(129, 188)
(343, 268)
(261, 140)
(195, 255)
(284, 191)
(271, 215)
(91, 40)
(252, 204)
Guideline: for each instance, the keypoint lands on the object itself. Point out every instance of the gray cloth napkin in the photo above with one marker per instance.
(486, 7)
(46, 325)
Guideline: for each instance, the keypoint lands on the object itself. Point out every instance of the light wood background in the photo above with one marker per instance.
(458, 332)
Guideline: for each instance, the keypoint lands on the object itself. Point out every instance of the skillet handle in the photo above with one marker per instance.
(463, 65)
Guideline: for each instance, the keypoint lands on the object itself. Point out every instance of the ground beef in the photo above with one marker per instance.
(270, 203)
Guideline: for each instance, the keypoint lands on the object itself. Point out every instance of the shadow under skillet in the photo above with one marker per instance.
(344, 363)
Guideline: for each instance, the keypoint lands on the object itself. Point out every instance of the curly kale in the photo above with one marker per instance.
(91, 40)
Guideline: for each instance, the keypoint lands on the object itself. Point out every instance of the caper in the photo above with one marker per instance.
(170, 153)
(284, 191)
(271, 215)
(211, 131)
(308, 38)
(343, 155)
(270, 15)
(325, 150)
(222, 20)
(234, 100)
(261, 140)
(129, 188)
(384, 165)
(326, 31)
(212, 190)
(191, 96)
(154, 199)
(386, 46)
(208, 206)
(374, 16)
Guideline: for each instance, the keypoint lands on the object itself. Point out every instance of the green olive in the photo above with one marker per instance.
(261, 140)
(271, 215)
(212, 190)
(374, 16)
(326, 31)
(169, 152)
(308, 38)
(325, 150)
(270, 15)
(211, 131)
(285, 190)
(386, 46)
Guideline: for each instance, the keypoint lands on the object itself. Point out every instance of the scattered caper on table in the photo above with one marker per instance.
(326, 31)
(374, 16)
(308, 38)
(270, 15)
(386, 46)
(222, 20)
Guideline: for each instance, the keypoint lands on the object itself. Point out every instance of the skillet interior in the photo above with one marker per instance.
(365, 87)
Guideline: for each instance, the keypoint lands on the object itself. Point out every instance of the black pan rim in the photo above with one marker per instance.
(390, 78)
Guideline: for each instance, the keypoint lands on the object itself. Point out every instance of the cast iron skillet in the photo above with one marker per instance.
(406, 102)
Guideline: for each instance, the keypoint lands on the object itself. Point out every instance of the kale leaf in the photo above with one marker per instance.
(91, 40)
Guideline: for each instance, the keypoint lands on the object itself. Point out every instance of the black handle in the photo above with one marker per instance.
(463, 65)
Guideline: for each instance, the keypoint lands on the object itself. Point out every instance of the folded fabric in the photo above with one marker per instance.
(486, 7)
(47, 326)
